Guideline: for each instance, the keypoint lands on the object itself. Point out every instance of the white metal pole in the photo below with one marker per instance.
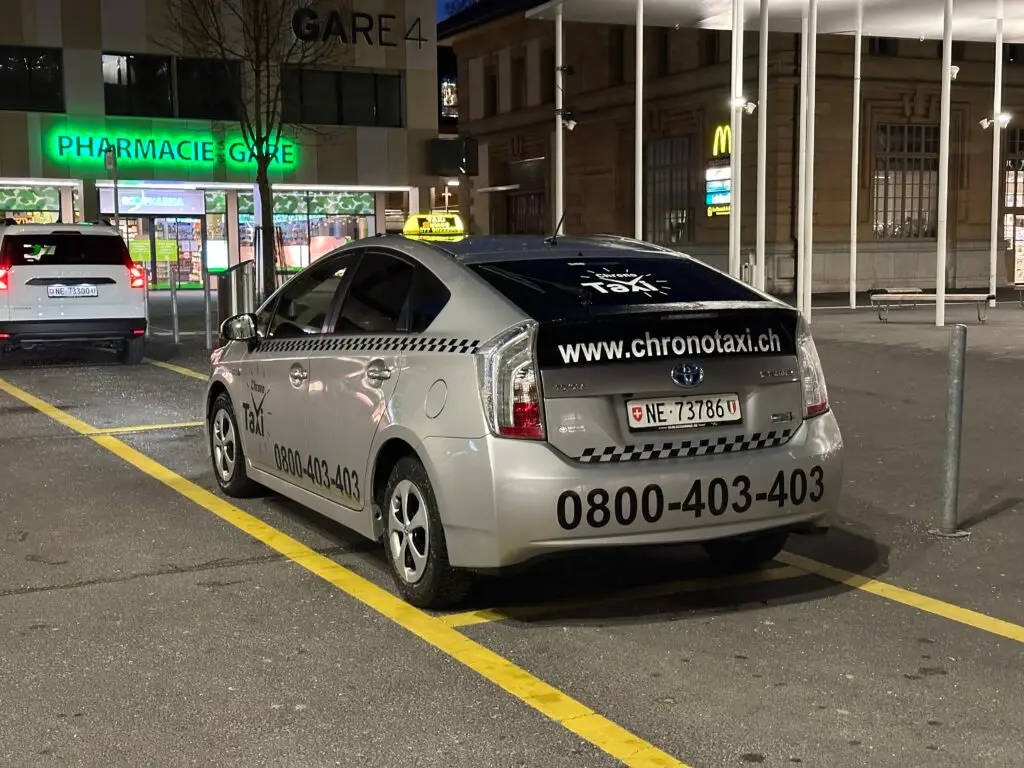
(997, 108)
(812, 87)
(855, 153)
(736, 133)
(940, 255)
(638, 142)
(762, 146)
(801, 192)
(559, 208)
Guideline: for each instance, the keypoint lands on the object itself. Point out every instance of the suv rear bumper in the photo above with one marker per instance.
(58, 331)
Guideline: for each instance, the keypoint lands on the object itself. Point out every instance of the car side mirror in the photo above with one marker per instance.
(240, 328)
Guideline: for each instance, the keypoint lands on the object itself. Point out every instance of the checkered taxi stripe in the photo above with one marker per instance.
(439, 344)
(689, 448)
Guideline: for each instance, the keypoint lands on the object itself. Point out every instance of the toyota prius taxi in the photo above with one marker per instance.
(476, 404)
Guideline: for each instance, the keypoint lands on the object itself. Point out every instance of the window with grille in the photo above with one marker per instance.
(906, 181)
(1013, 191)
(667, 184)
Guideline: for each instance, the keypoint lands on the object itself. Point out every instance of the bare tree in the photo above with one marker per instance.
(261, 37)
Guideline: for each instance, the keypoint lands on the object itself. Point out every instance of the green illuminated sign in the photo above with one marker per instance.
(157, 148)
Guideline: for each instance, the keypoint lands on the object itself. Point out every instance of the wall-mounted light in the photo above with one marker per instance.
(741, 103)
(1003, 120)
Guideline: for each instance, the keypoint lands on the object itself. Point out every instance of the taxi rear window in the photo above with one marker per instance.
(550, 289)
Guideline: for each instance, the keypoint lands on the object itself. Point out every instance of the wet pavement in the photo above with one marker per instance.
(144, 624)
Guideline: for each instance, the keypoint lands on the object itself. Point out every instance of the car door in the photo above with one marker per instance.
(353, 377)
(275, 373)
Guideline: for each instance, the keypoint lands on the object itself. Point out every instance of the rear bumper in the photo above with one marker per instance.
(38, 332)
(505, 502)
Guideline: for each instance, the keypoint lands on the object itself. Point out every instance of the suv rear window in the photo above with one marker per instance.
(64, 249)
(577, 288)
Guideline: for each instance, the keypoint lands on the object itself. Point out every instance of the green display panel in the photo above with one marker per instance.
(29, 199)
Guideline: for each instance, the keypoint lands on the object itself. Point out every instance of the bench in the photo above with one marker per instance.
(911, 297)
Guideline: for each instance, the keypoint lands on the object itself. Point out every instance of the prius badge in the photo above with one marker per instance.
(687, 375)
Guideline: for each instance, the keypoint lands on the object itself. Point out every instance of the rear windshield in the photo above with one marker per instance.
(553, 289)
(64, 249)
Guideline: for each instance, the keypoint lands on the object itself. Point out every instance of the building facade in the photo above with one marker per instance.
(79, 76)
(506, 87)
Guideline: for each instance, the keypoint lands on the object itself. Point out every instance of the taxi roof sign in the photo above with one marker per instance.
(434, 226)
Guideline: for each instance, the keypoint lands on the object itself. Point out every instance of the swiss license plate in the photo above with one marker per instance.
(683, 412)
(71, 291)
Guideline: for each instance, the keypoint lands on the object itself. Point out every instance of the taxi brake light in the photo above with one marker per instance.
(509, 384)
(812, 377)
(3, 278)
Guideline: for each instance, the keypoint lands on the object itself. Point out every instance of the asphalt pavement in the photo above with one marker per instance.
(147, 621)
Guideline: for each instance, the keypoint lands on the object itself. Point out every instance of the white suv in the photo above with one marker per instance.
(70, 284)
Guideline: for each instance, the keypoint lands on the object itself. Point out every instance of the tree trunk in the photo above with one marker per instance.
(269, 234)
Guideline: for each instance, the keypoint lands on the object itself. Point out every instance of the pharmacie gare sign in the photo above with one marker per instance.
(159, 149)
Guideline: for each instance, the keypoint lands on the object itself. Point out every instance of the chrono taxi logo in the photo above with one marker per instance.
(606, 282)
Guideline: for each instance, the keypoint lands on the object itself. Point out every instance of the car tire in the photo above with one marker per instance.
(743, 553)
(226, 452)
(133, 351)
(414, 542)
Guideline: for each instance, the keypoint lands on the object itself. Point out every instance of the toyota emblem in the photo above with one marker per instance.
(687, 375)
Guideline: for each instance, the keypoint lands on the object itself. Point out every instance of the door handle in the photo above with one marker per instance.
(378, 371)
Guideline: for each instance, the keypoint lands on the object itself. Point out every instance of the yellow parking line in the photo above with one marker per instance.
(544, 698)
(178, 369)
(143, 428)
(906, 597)
(469, 618)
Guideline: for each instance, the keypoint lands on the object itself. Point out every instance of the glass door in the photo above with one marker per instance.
(178, 241)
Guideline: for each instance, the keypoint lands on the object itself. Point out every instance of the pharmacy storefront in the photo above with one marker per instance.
(184, 194)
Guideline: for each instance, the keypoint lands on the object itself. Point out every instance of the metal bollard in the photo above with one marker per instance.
(173, 274)
(207, 308)
(954, 429)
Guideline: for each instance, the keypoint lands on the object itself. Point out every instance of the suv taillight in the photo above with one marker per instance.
(4, 272)
(137, 275)
(509, 385)
(812, 377)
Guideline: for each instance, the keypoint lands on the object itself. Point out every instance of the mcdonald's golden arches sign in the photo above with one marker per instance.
(721, 144)
(718, 175)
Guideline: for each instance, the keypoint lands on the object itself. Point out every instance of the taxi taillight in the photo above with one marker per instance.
(509, 384)
(4, 273)
(812, 377)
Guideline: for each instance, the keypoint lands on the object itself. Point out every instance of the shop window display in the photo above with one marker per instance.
(30, 205)
(308, 225)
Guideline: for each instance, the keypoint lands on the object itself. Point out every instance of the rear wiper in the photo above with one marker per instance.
(535, 283)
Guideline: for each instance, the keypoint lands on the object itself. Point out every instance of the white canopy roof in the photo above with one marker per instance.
(973, 20)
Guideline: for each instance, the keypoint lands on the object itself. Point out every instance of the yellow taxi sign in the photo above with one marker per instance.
(434, 226)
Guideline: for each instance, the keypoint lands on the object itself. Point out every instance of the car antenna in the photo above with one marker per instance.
(553, 240)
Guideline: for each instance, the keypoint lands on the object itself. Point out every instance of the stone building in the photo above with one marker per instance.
(506, 91)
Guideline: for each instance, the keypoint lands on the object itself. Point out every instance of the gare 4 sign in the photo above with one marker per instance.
(352, 28)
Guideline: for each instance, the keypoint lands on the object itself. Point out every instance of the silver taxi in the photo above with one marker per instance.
(476, 404)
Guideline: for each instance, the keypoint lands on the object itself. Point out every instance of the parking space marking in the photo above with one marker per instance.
(549, 701)
(144, 428)
(896, 594)
(178, 369)
(668, 589)
(907, 597)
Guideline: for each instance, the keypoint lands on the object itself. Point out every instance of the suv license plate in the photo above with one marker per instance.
(683, 412)
(71, 291)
